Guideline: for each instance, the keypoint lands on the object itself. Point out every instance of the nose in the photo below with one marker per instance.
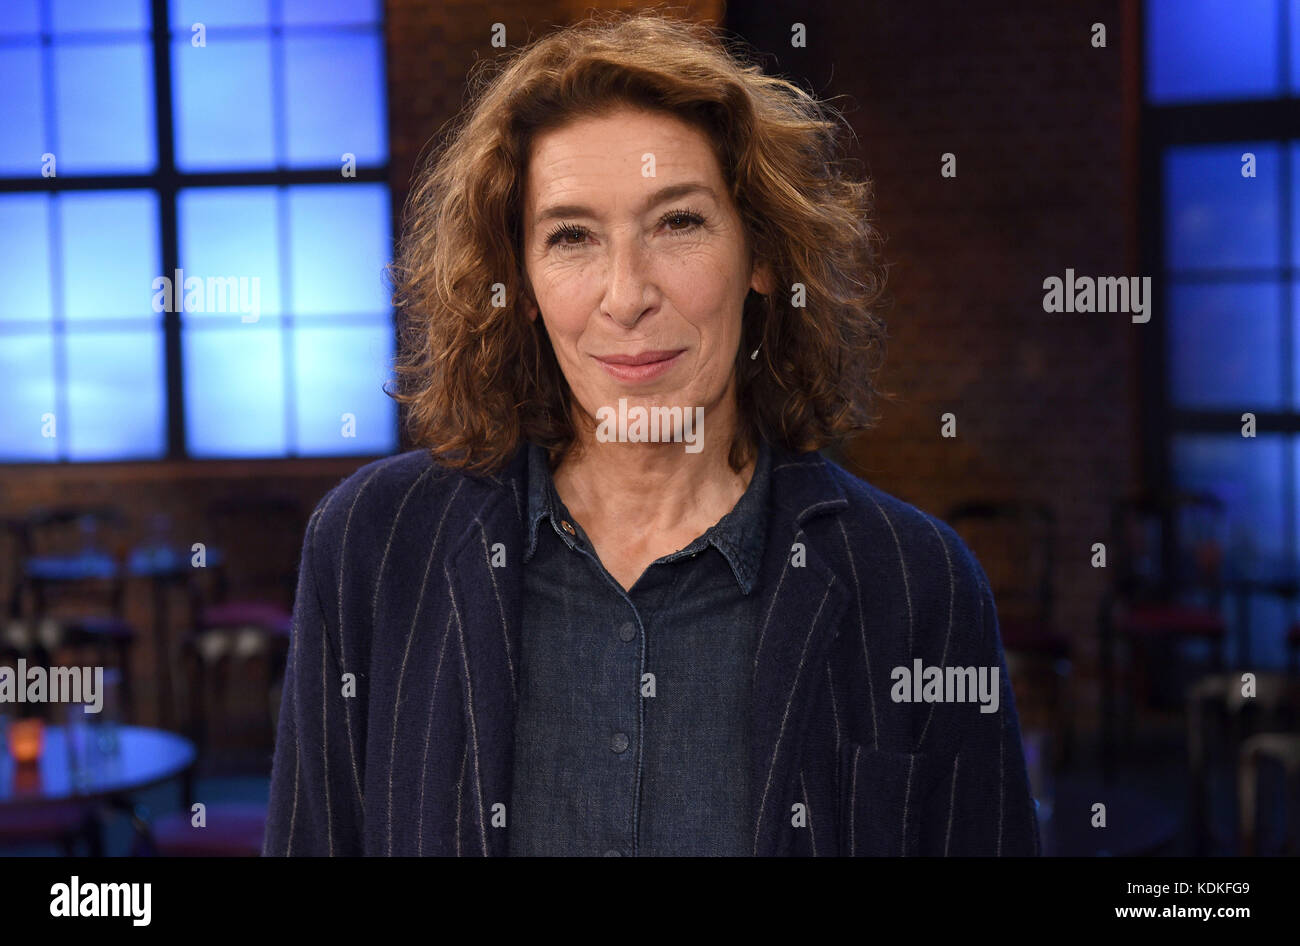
(630, 291)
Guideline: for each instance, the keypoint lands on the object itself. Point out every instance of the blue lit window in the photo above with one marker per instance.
(281, 326)
(1222, 79)
(1206, 50)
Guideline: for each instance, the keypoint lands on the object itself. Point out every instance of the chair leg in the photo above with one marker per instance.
(128, 694)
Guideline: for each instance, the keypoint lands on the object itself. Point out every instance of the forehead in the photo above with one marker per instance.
(606, 155)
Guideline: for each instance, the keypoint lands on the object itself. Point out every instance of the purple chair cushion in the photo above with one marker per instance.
(258, 614)
(1172, 620)
(42, 823)
(234, 829)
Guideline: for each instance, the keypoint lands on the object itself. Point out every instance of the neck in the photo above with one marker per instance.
(655, 488)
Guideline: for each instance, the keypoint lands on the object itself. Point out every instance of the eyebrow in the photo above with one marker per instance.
(559, 211)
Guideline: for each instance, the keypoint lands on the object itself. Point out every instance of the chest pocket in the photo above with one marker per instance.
(884, 799)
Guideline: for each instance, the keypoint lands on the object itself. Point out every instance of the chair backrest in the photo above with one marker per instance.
(1015, 542)
(1166, 545)
(260, 539)
(71, 560)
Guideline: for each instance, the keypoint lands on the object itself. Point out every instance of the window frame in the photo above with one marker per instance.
(1165, 126)
(166, 182)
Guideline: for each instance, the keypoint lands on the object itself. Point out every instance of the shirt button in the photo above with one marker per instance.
(618, 742)
(613, 853)
(626, 631)
(564, 524)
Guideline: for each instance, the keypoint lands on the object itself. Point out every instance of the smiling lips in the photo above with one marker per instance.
(640, 367)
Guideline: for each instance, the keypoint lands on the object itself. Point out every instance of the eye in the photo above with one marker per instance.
(563, 232)
(679, 221)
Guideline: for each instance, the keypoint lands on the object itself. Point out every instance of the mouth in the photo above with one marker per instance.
(642, 366)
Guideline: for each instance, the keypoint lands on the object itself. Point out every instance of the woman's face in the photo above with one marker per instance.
(638, 262)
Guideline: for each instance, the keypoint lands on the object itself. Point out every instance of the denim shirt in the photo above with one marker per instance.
(632, 733)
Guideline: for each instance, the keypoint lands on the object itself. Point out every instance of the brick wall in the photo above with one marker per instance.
(1040, 122)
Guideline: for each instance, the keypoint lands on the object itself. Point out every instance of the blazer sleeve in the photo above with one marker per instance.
(315, 804)
(991, 811)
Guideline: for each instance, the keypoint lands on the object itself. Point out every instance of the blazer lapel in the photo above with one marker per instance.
(802, 603)
(485, 582)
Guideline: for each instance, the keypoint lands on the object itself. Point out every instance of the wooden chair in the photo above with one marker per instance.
(1165, 556)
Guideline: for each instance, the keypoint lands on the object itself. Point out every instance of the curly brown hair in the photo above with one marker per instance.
(477, 378)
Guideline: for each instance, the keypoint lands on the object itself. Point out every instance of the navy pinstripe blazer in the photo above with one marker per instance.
(397, 723)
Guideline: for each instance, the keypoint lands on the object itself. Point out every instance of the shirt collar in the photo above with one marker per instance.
(740, 534)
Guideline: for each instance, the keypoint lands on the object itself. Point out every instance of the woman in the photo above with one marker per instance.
(617, 603)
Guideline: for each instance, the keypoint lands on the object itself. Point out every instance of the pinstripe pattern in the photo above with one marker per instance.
(501, 611)
(1002, 789)
(853, 806)
(812, 831)
(907, 800)
(952, 592)
(902, 564)
(862, 636)
(383, 561)
(293, 812)
(342, 655)
(325, 727)
(410, 636)
(835, 713)
(952, 803)
(460, 793)
(473, 722)
(424, 763)
(785, 716)
(758, 648)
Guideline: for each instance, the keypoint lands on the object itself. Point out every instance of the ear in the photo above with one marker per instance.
(762, 281)
(530, 308)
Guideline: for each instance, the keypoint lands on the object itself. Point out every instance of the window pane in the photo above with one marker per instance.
(231, 232)
(20, 17)
(331, 11)
(1214, 217)
(185, 13)
(115, 395)
(1203, 50)
(104, 103)
(1293, 17)
(1295, 195)
(234, 391)
(1246, 474)
(71, 16)
(1223, 345)
(223, 104)
(340, 240)
(27, 387)
(334, 95)
(1295, 344)
(110, 253)
(25, 258)
(21, 115)
(340, 370)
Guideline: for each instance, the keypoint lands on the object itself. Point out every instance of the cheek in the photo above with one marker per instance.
(561, 308)
(713, 303)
